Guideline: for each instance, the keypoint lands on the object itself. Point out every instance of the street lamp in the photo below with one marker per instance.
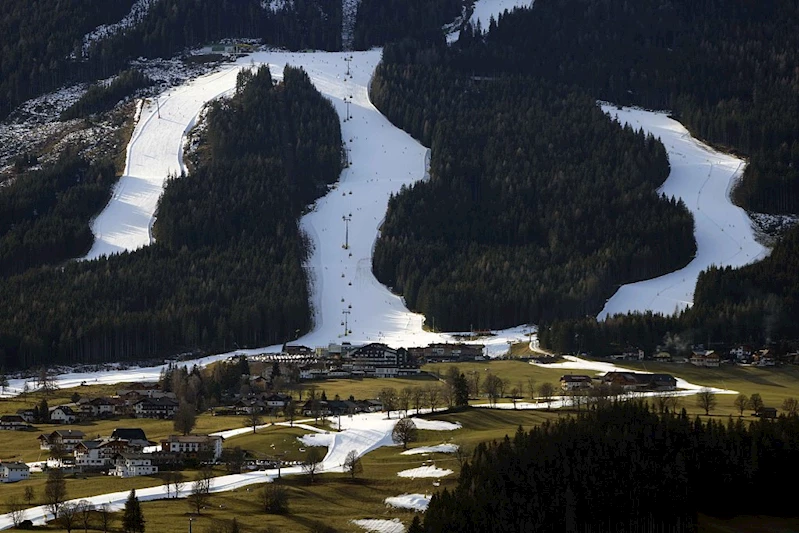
(191, 519)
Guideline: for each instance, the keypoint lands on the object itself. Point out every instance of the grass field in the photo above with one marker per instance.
(334, 499)
(774, 384)
(24, 446)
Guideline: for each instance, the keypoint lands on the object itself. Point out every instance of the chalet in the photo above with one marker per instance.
(63, 414)
(298, 350)
(28, 415)
(764, 358)
(277, 401)
(135, 437)
(634, 381)
(99, 453)
(11, 472)
(133, 464)
(163, 407)
(742, 353)
(662, 357)
(575, 381)
(316, 408)
(660, 382)
(627, 381)
(767, 412)
(705, 358)
(245, 406)
(13, 422)
(101, 407)
(379, 360)
(193, 445)
(67, 439)
(449, 352)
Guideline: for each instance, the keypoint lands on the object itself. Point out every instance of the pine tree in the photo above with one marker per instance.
(133, 518)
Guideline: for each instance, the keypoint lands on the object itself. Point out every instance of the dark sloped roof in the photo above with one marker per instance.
(129, 434)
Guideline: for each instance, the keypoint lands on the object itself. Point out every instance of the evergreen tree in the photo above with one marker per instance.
(132, 517)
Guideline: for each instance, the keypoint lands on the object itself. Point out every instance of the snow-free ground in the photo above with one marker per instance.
(703, 178)
(362, 433)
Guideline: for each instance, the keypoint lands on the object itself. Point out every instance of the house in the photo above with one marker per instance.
(63, 414)
(574, 381)
(99, 453)
(133, 464)
(135, 437)
(100, 407)
(13, 422)
(379, 360)
(705, 358)
(28, 415)
(277, 401)
(297, 349)
(662, 357)
(67, 439)
(11, 472)
(660, 382)
(627, 381)
(767, 412)
(193, 445)
(163, 407)
(245, 406)
(448, 352)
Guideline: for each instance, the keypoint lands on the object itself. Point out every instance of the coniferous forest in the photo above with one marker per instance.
(42, 40)
(209, 281)
(726, 69)
(621, 468)
(549, 205)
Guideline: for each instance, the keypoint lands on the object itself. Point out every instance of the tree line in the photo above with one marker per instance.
(549, 205)
(622, 467)
(227, 270)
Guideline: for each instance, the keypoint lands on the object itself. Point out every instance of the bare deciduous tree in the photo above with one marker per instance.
(417, 397)
(55, 491)
(404, 432)
(547, 392)
(706, 399)
(790, 406)
(200, 491)
(388, 396)
(756, 403)
(313, 462)
(16, 511)
(433, 396)
(85, 509)
(352, 464)
(29, 495)
(741, 402)
(68, 516)
(106, 517)
(274, 498)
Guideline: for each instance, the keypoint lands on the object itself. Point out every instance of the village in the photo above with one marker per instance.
(269, 386)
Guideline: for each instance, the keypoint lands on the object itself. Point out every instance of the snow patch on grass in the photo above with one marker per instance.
(425, 471)
(418, 502)
(438, 448)
(378, 525)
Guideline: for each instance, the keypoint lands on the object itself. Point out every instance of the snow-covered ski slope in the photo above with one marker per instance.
(703, 179)
(154, 153)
